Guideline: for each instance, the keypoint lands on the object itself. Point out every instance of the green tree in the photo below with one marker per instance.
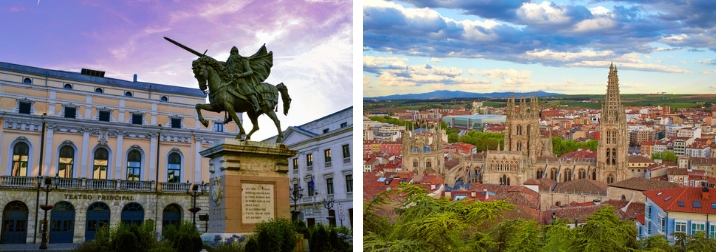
(517, 235)
(700, 242)
(664, 155)
(468, 106)
(428, 224)
(559, 237)
(604, 231)
(655, 243)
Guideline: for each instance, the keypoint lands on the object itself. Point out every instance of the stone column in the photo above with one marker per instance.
(85, 152)
(152, 158)
(49, 136)
(249, 184)
(118, 157)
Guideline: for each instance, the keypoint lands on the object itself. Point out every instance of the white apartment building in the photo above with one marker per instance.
(323, 168)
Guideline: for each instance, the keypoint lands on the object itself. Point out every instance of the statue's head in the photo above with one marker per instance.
(234, 50)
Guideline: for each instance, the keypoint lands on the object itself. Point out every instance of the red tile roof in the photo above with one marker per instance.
(639, 159)
(678, 171)
(669, 199)
(642, 184)
(582, 185)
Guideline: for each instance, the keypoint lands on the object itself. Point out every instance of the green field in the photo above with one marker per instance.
(675, 101)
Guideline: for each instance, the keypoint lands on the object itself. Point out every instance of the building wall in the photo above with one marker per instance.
(310, 139)
(85, 134)
(616, 193)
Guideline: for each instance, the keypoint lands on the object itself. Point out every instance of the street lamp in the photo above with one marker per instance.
(296, 194)
(195, 191)
(328, 204)
(46, 207)
(340, 213)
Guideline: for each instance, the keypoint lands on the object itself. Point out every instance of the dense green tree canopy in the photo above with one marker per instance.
(664, 155)
(561, 146)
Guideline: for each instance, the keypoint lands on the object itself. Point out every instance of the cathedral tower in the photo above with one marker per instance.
(613, 138)
(522, 127)
(423, 152)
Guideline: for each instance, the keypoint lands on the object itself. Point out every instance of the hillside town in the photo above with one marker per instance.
(653, 164)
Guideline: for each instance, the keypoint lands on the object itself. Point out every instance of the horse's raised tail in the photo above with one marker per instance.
(284, 97)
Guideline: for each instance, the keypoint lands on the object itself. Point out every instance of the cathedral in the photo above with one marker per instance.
(423, 151)
(528, 155)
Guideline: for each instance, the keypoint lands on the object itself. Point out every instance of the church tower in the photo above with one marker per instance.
(522, 127)
(613, 138)
(423, 152)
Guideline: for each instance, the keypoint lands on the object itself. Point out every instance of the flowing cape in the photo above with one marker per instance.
(261, 63)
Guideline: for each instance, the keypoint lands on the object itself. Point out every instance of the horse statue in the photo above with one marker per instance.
(225, 96)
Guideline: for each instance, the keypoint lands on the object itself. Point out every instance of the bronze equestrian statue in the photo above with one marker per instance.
(237, 86)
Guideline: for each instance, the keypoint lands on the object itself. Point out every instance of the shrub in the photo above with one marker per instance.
(276, 235)
(185, 238)
(301, 228)
(320, 240)
(122, 237)
(252, 245)
(125, 240)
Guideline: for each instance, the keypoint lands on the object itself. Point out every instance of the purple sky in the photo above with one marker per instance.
(311, 41)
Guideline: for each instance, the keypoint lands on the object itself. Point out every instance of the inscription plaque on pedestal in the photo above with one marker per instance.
(257, 202)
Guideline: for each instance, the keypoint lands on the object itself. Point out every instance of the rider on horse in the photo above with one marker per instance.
(242, 77)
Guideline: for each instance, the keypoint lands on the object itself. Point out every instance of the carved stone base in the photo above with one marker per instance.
(249, 184)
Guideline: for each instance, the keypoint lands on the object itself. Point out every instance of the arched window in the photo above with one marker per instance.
(594, 175)
(553, 174)
(68, 86)
(133, 213)
(582, 173)
(98, 90)
(174, 168)
(67, 162)
(528, 129)
(134, 164)
(540, 173)
(128, 94)
(614, 156)
(519, 146)
(19, 159)
(519, 130)
(27, 81)
(101, 162)
(164, 99)
(610, 178)
(567, 175)
(504, 180)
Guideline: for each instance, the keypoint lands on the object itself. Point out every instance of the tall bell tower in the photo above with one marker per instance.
(613, 138)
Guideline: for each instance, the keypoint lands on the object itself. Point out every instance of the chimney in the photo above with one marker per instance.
(473, 194)
(135, 77)
(487, 194)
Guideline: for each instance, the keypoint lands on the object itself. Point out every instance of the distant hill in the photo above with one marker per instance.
(445, 94)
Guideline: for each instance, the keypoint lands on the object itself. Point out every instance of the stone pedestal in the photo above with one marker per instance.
(248, 184)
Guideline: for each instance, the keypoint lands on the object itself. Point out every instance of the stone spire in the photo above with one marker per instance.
(612, 156)
(612, 101)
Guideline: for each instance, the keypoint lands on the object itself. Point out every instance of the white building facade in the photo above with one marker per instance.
(323, 168)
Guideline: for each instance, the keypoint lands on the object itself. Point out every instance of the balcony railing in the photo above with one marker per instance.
(347, 160)
(101, 184)
(93, 184)
(328, 164)
(172, 187)
(15, 181)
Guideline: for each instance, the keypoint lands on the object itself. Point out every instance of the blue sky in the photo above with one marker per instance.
(125, 38)
(417, 46)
